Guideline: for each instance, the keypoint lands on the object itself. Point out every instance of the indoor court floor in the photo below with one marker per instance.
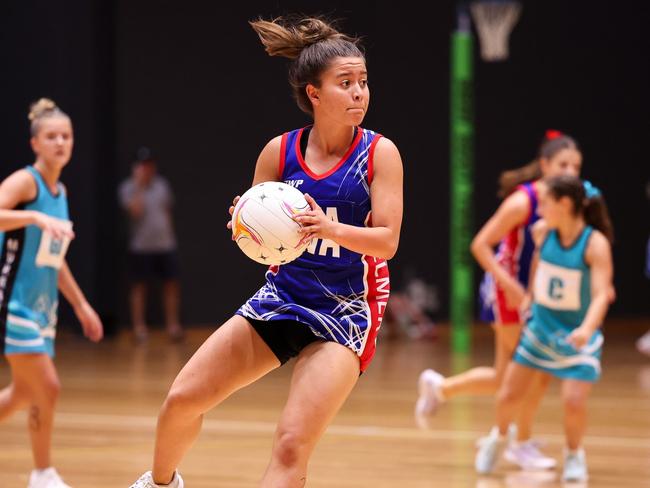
(104, 429)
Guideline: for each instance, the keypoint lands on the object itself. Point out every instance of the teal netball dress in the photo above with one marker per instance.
(562, 295)
(29, 288)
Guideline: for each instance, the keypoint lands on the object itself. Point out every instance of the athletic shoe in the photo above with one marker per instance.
(528, 456)
(146, 481)
(430, 395)
(489, 449)
(575, 466)
(46, 478)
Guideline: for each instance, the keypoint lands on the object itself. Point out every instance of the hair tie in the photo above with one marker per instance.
(553, 134)
(590, 190)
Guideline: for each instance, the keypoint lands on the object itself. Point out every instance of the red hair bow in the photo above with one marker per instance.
(553, 134)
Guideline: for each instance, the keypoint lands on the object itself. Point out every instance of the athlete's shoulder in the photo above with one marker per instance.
(272, 147)
(270, 161)
(597, 243)
(385, 159)
(516, 206)
(386, 149)
(18, 187)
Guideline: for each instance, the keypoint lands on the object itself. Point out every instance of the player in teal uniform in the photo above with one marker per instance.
(34, 234)
(572, 289)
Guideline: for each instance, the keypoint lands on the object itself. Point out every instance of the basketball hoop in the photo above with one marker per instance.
(494, 21)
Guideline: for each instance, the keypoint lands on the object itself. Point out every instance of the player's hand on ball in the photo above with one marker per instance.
(231, 210)
(314, 222)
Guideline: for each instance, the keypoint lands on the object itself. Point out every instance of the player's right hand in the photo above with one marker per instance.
(231, 210)
(58, 228)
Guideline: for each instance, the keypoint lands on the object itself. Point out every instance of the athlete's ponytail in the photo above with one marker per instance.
(587, 201)
(311, 44)
(41, 109)
(597, 215)
(554, 141)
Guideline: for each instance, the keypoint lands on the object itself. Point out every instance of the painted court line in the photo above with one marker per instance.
(70, 419)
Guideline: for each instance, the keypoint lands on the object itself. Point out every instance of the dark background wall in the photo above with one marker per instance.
(191, 80)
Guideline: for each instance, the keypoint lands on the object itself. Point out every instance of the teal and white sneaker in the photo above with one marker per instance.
(489, 451)
(575, 465)
(146, 481)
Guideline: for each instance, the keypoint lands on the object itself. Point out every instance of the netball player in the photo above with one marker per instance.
(34, 232)
(571, 294)
(502, 290)
(324, 308)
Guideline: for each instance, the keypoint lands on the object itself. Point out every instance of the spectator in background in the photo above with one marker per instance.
(147, 198)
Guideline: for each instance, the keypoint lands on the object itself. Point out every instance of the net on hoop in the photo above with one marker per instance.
(494, 21)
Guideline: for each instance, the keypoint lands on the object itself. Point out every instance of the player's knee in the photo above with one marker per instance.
(180, 402)
(289, 448)
(507, 396)
(177, 400)
(574, 401)
(51, 389)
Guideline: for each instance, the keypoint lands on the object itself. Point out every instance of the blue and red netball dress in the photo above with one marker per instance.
(339, 294)
(514, 254)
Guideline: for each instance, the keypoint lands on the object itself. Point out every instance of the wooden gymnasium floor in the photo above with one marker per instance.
(112, 392)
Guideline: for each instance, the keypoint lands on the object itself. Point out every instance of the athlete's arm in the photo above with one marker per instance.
(598, 257)
(512, 212)
(19, 188)
(539, 230)
(267, 168)
(90, 321)
(382, 238)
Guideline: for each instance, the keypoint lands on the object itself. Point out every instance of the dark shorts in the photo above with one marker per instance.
(147, 266)
(286, 338)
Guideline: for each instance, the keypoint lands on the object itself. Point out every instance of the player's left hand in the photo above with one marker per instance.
(90, 322)
(579, 338)
(315, 224)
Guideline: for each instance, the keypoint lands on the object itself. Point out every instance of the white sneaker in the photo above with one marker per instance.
(146, 481)
(643, 344)
(46, 478)
(430, 396)
(528, 456)
(489, 449)
(575, 466)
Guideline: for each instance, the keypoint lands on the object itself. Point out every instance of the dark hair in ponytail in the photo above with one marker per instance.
(587, 201)
(311, 43)
(597, 215)
(553, 142)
